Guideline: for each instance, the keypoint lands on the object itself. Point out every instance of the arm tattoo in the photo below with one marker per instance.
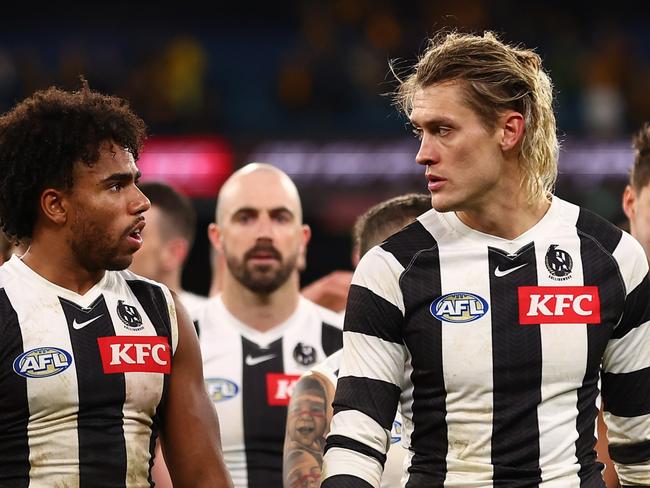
(309, 416)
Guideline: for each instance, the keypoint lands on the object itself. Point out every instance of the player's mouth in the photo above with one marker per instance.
(134, 235)
(435, 182)
(263, 255)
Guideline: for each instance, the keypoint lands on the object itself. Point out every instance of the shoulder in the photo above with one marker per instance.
(322, 314)
(597, 228)
(130, 277)
(329, 368)
(417, 236)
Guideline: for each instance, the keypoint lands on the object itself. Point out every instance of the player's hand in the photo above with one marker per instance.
(330, 291)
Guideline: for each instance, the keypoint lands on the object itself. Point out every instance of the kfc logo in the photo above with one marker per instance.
(559, 305)
(279, 388)
(129, 354)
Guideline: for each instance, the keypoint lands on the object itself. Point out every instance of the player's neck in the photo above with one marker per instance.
(64, 270)
(261, 312)
(507, 217)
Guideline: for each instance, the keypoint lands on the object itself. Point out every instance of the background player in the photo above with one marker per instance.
(310, 411)
(259, 335)
(167, 240)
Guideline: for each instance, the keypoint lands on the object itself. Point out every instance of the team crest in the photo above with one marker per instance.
(129, 315)
(558, 263)
(304, 354)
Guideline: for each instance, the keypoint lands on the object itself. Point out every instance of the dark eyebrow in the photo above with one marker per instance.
(277, 210)
(122, 177)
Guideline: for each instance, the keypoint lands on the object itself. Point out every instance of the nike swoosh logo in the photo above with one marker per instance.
(251, 361)
(498, 273)
(80, 325)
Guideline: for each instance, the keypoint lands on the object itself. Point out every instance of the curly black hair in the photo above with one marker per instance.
(45, 135)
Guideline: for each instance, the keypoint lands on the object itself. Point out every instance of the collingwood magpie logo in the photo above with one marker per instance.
(129, 315)
(304, 354)
(558, 262)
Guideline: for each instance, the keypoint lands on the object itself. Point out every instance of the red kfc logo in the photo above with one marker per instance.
(131, 354)
(559, 305)
(279, 388)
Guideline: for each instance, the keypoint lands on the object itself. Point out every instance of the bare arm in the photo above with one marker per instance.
(610, 476)
(190, 429)
(308, 421)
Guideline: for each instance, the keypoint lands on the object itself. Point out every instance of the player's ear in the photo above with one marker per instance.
(214, 235)
(306, 236)
(629, 201)
(512, 125)
(54, 206)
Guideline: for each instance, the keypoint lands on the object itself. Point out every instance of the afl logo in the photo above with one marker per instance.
(558, 262)
(396, 432)
(221, 389)
(42, 362)
(459, 307)
(129, 315)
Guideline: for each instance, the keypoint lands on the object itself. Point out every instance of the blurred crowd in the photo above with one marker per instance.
(316, 68)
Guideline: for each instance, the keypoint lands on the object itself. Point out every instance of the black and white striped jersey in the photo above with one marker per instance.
(81, 377)
(250, 375)
(495, 350)
(396, 455)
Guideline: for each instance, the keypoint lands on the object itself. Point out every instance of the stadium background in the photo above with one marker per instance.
(302, 85)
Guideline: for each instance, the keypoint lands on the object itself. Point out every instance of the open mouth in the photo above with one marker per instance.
(305, 430)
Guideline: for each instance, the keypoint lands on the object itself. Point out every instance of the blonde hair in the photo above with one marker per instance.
(496, 77)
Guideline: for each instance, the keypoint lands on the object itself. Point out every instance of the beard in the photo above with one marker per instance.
(93, 248)
(261, 279)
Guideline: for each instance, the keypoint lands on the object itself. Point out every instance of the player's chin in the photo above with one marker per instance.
(119, 262)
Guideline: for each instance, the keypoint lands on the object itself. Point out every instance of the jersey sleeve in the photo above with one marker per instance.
(372, 369)
(626, 371)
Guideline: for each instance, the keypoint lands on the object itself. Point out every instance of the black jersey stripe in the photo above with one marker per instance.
(612, 294)
(264, 424)
(593, 225)
(331, 338)
(412, 238)
(154, 303)
(368, 313)
(345, 481)
(517, 373)
(620, 393)
(636, 453)
(637, 309)
(353, 445)
(102, 447)
(375, 398)
(14, 413)
(420, 285)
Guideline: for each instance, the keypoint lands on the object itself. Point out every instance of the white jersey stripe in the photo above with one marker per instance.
(50, 421)
(387, 358)
(467, 360)
(388, 290)
(564, 359)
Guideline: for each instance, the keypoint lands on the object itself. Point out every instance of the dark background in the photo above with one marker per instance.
(303, 85)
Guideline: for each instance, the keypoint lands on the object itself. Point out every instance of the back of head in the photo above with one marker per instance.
(386, 218)
(640, 173)
(178, 214)
(44, 136)
(497, 77)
